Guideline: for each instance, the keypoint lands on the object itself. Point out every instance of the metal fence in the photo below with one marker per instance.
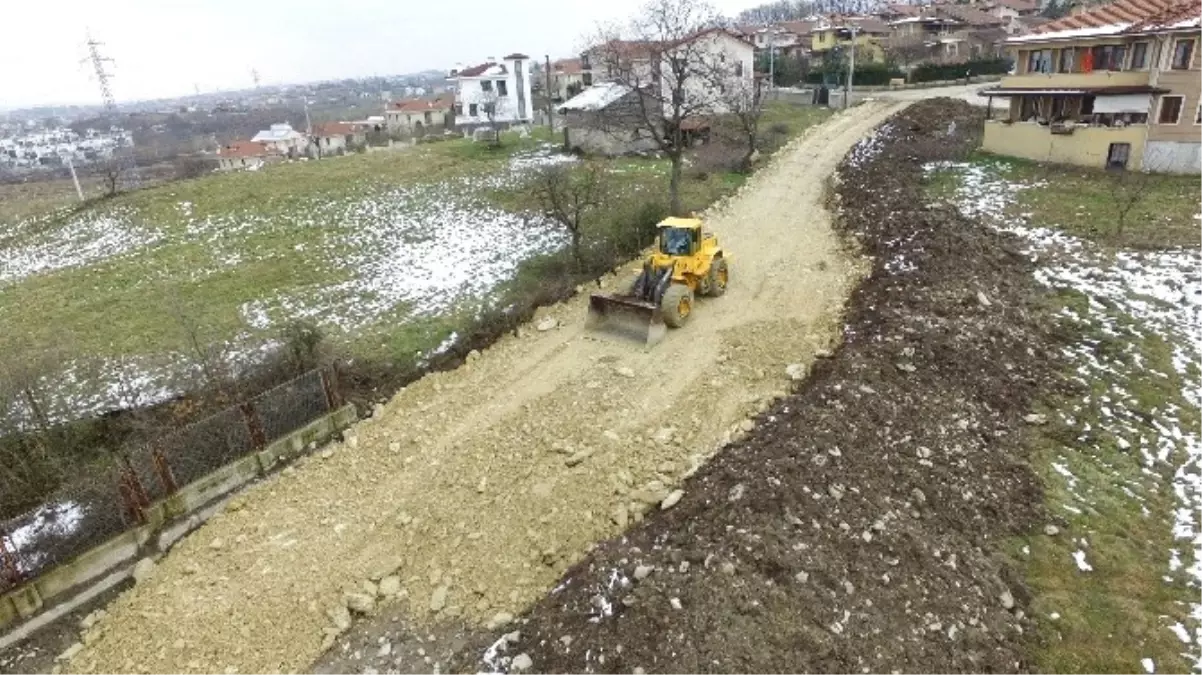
(113, 494)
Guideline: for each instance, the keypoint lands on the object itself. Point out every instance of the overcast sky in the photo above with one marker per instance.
(166, 47)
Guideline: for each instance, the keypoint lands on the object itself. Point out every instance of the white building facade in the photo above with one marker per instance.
(498, 87)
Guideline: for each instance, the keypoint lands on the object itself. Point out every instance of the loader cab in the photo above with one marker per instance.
(679, 236)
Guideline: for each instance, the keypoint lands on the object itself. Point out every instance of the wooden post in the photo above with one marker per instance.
(254, 425)
(10, 570)
(550, 103)
(163, 470)
(329, 382)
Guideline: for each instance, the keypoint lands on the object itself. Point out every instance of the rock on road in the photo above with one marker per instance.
(477, 488)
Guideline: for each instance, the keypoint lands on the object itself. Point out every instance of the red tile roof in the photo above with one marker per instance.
(798, 28)
(440, 102)
(333, 129)
(1177, 12)
(243, 149)
(970, 15)
(567, 66)
(1147, 13)
(1016, 5)
(477, 70)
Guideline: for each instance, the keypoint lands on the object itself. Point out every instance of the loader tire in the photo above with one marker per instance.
(677, 305)
(717, 278)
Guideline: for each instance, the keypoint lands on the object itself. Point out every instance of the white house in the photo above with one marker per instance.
(282, 138)
(712, 63)
(247, 155)
(503, 86)
(336, 138)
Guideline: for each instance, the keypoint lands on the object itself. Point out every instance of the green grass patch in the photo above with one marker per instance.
(1109, 618)
(1088, 202)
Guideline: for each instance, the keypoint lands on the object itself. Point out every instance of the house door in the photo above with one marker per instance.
(1116, 157)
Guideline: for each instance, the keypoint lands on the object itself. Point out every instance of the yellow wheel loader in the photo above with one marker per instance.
(687, 262)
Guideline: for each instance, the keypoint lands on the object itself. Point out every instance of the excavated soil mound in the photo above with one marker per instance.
(857, 528)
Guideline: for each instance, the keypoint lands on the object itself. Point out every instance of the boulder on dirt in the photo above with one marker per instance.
(578, 457)
(671, 500)
(642, 572)
(70, 652)
(522, 662)
(92, 619)
(982, 299)
(1007, 599)
(499, 620)
(795, 371)
(624, 371)
(548, 323)
(1051, 530)
(438, 599)
(390, 586)
(143, 570)
(360, 603)
(1035, 418)
(340, 617)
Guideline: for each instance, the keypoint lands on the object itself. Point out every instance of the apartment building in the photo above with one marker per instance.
(1115, 86)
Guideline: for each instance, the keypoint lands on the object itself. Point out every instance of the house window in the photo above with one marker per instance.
(1183, 54)
(458, 109)
(1040, 61)
(472, 110)
(1139, 56)
(486, 85)
(1198, 115)
(502, 88)
(1117, 155)
(1108, 57)
(1066, 60)
(428, 117)
(1170, 109)
(739, 69)
(587, 79)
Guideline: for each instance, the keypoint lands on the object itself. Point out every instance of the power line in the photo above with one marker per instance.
(125, 160)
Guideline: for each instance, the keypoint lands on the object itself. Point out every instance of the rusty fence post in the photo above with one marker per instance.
(163, 470)
(10, 568)
(329, 382)
(133, 495)
(254, 425)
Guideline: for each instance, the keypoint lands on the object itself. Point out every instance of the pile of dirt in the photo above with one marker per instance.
(858, 527)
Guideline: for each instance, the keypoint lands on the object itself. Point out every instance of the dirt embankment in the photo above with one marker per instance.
(857, 528)
(472, 491)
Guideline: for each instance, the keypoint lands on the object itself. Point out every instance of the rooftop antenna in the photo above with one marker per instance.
(125, 160)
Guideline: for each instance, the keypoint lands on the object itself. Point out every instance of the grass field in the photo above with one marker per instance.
(390, 252)
(1116, 590)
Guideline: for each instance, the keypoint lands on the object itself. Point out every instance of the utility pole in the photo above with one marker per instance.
(74, 178)
(129, 169)
(550, 103)
(851, 68)
(771, 59)
(254, 75)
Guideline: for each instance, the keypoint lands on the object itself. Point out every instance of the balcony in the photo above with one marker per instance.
(1098, 78)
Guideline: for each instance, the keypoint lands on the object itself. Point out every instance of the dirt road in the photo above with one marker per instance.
(476, 489)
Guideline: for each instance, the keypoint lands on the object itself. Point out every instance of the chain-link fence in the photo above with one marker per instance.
(111, 494)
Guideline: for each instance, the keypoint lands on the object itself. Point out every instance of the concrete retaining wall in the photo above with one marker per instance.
(39, 601)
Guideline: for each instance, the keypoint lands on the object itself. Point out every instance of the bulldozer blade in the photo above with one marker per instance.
(625, 318)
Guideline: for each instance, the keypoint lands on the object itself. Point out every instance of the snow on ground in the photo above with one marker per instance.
(84, 239)
(49, 521)
(426, 247)
(423, 248)
(1131, 294)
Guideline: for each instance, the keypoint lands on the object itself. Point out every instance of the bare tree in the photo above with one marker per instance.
(1128, 189)
(207, 354)
(743, 104)
(907, 52)
(110, 175)
(568, 195)
(663, 54)
(489, 101)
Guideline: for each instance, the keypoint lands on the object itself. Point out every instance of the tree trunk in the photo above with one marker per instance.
(576, 248)
(674, 185)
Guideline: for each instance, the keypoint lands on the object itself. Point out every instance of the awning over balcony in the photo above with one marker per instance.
(1073, 91)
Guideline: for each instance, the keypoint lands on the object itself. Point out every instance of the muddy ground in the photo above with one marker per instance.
(858, 527)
